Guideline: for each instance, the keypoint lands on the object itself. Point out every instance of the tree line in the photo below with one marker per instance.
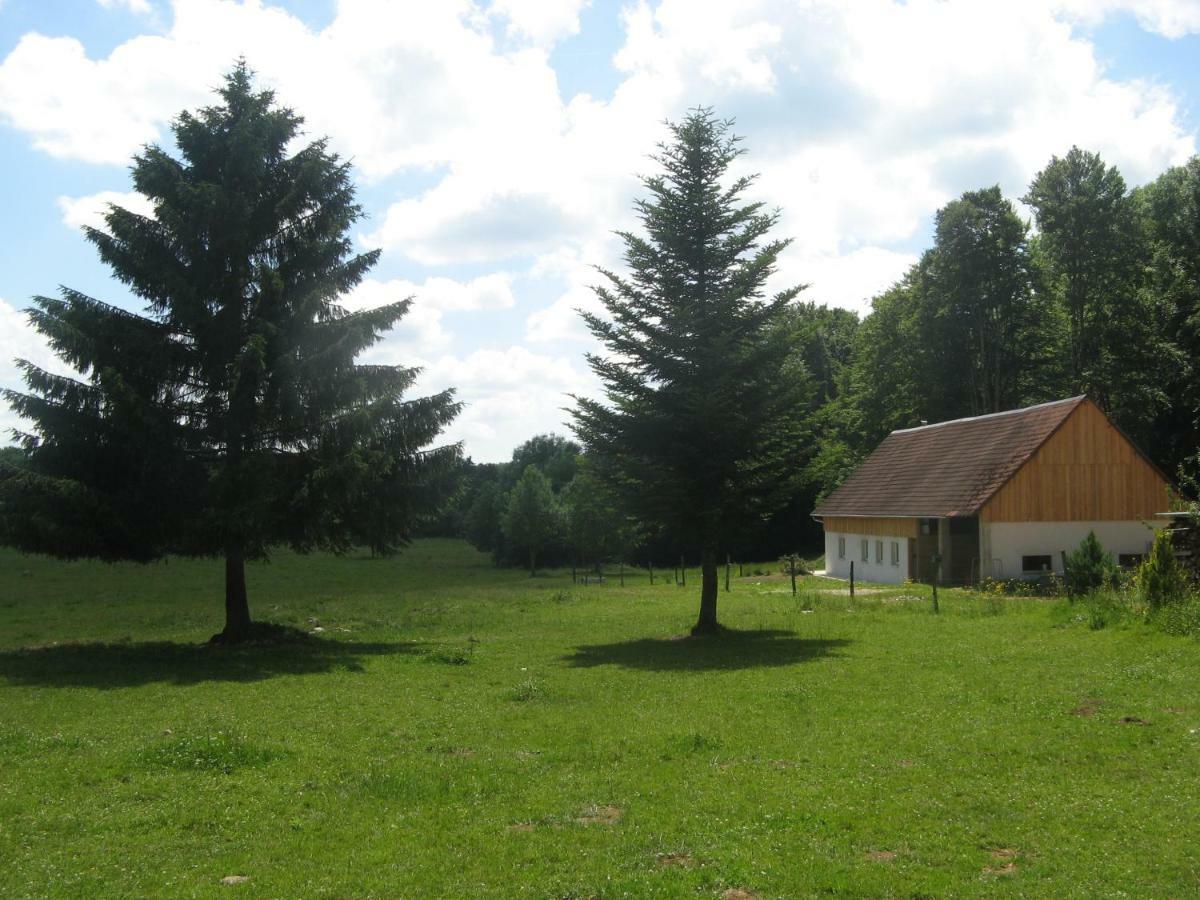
(232, 416)
(1098, 293)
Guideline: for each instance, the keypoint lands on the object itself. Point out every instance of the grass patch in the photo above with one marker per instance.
(216, 750)
(457, 730)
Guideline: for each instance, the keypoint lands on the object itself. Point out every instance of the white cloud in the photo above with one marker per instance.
(1169, 18)
(849, 280)
(509, 395)
(863, 119)
(422, 330)
(540, 21)
(141, 7)
(91, 209)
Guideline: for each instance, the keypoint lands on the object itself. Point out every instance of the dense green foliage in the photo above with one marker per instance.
(462, 731)
(1103, 301)
(701, 426)
(532, 516)
(231, 417)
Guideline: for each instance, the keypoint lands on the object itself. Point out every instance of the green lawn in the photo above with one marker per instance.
(458, 731)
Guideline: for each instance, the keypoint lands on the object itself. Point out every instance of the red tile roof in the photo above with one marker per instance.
(948, 469)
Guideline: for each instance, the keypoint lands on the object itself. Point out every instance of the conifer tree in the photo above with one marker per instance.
(231, 417)
(701, 426)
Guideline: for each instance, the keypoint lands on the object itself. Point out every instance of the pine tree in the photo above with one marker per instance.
(701, 430)
(231, 417)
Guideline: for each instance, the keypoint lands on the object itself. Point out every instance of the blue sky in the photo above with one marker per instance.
(496, 143)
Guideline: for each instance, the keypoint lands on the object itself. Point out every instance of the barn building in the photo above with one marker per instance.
(999, 496)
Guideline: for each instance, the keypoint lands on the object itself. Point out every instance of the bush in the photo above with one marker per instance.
(1181, 617)
(1089, 567)
(1161, 581)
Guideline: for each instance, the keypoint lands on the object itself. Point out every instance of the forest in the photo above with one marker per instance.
(1097, 292)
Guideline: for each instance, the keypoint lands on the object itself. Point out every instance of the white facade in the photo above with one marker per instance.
(887, 557)
(1006, 547)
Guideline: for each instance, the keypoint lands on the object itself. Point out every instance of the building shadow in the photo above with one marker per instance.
(130, 664)
(730, 649)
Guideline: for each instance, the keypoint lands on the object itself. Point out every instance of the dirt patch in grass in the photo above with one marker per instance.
(881, 855)
(1132, 720)
(600, 815)
(739, 894)
(1003, 862)
(675, 860)
(1087, 708)
(520, 826)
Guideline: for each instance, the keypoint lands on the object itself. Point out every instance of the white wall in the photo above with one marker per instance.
(866, 571)
(1006, 542)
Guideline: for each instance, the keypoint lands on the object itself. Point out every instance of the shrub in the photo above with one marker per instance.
(1089, 567)
(1161, 580)
(1181, 616)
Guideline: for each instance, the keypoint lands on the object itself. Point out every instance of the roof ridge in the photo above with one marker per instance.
(995, 415)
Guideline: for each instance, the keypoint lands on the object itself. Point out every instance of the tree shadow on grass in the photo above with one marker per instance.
(727, 650)
(126, 664)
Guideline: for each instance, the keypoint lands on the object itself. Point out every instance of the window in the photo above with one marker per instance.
(1035, 563)
(895, 553)
(866, 550)
(1129, 560)
(841, 547)
(879, 552)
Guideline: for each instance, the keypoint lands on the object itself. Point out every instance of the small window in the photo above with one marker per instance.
(895, 553)
(841, 548)
(1035, 563)
(1129, 560)
(866, 550)
(879, 552)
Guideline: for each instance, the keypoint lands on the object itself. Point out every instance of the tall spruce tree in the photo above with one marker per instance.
(231, 417)
(702, 428)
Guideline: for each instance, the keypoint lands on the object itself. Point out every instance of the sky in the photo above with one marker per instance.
(497, 144)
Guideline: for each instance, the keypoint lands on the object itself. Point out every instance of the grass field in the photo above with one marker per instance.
(458, 731)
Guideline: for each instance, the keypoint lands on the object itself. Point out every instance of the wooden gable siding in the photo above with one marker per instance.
(1086, 471)
(881, 527)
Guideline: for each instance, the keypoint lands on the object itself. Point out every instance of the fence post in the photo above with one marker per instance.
(727, 566)
(851, 579)
(682, 573)
(792, 568)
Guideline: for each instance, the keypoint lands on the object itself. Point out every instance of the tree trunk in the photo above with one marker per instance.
(237, 607)
(707, 623)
